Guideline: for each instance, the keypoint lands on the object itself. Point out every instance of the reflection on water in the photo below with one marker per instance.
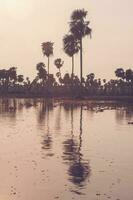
(64, 150)
(123, 114)
(45, 108)
(78, 169)
(47, 138)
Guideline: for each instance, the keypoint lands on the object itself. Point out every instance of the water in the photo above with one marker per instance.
(60, 150)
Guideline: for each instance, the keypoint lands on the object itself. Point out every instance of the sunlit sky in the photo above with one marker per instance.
(25, 24)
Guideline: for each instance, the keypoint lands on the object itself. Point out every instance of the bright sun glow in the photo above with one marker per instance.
(18, 9)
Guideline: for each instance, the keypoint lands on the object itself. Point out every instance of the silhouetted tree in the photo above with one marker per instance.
(80, 28)
(28, 80)
(42, 73)
(120, 73)
(59, 63)
(47, 49)
(20, 78)
(8, 77)
(12, 74)
(71, 47)
(129, 75)
(66, 79)
(51, 80)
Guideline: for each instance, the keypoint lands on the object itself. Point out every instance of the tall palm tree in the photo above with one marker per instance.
(47, 49)
(70, 46)
(80, 28)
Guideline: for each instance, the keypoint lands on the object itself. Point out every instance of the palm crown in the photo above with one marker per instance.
(70, 45)
(47, 48)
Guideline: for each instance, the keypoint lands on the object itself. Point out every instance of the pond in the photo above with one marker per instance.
(65, 150)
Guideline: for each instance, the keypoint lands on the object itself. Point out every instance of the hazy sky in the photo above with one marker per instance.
(25, 24)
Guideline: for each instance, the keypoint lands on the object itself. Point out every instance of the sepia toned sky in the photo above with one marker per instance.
(25, 24)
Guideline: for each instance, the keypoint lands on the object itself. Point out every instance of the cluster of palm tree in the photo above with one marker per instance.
(9, 77)
(72, 42)
(124, 81)
(45, 82)
(79, 28)
(124, 75)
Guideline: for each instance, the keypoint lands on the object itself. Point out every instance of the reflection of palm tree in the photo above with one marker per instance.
(9, 106)
(81, 120)
(79, 170)
(70, 145)
(124, 114)
(47, 142)
(47, 139)
(42, 112)
(58, 118)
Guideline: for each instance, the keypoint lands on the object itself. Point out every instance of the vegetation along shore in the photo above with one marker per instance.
(68, 85)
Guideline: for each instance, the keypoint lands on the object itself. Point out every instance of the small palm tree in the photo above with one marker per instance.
(80, 28)
(47, 49)
(13, 73)
(129, 75)
(119, 72)
(28, 80)
(20, 78)
(59, 63)
(42, 73)
(70, 46)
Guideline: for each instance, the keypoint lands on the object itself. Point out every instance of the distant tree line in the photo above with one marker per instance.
(69, 84)
(66, 85)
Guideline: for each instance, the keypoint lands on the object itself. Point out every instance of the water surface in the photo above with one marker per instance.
(61, 150)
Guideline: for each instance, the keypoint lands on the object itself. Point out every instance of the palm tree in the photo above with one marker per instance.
(20, 78)
(80, 28)
(66, 79)
(58, 63)
(70, 46)
(42, 73)
(28, 81)
(47, 49)
(119, 72)
(129, 75)
(12, 74)
(8, 77)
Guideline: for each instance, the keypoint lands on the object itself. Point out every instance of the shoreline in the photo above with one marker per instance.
(127, 99)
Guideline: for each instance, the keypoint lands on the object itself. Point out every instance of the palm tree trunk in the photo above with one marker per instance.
(72, 66)
(60, 72)
(72, 69)
(48, 66)
(81, 61)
